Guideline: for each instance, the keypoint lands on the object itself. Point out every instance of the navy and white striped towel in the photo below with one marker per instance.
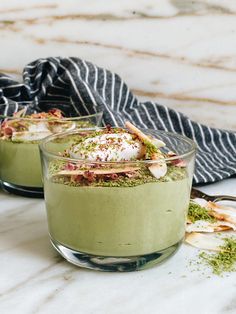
(83, 88)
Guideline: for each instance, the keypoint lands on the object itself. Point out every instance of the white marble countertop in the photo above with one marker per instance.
(180, 53)
(34, 279)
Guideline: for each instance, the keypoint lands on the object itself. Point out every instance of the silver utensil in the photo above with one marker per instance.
(213, 198)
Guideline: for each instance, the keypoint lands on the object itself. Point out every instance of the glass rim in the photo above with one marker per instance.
(49, 138)
(98, 114)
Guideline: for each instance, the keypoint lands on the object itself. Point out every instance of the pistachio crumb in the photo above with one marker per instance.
(225, 260)
(197, 212)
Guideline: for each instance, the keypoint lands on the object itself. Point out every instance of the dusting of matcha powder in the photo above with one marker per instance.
(196, 212)
(225, 260)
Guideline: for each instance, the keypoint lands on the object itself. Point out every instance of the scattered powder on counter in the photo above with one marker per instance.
(219, 263)
(223, 261)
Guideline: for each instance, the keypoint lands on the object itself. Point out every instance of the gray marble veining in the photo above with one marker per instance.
(180, 53)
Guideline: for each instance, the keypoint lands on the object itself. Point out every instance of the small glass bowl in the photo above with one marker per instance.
(20, 167)
(120, 224)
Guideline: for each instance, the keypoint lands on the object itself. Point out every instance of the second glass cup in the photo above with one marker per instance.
(20, 167)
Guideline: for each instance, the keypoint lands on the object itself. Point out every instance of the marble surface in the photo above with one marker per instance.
(180, 53)
(34, 279)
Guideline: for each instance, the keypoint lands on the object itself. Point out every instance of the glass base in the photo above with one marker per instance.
(114, 264)
(22, 190)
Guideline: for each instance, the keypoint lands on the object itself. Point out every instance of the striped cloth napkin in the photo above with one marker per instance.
(78, 87)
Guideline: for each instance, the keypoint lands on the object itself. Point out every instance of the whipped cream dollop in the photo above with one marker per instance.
(108, 147)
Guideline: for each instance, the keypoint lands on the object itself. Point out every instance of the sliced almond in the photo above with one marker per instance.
(20, 113)
(143, 137)
(158, 169)
(96, 171)
(206, 226)
(204, 241)
(222, 228)
(157, 143)
(222, 212)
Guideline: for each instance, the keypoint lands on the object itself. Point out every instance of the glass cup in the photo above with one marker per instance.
(126, 222)
(20, 167)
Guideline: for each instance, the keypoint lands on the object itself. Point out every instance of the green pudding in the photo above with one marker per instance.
(116, 200)
(20, 163)
(19, 152)
(118, 221)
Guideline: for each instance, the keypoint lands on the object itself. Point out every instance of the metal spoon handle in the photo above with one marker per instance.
(219, 198)
(213, 198)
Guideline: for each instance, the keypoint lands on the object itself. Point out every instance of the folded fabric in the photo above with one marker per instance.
(79, 88)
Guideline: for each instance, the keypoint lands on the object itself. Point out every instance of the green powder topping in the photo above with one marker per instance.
(139, 177)
(150, 149)
(225, 260)
(89, 176)
(196, 212)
